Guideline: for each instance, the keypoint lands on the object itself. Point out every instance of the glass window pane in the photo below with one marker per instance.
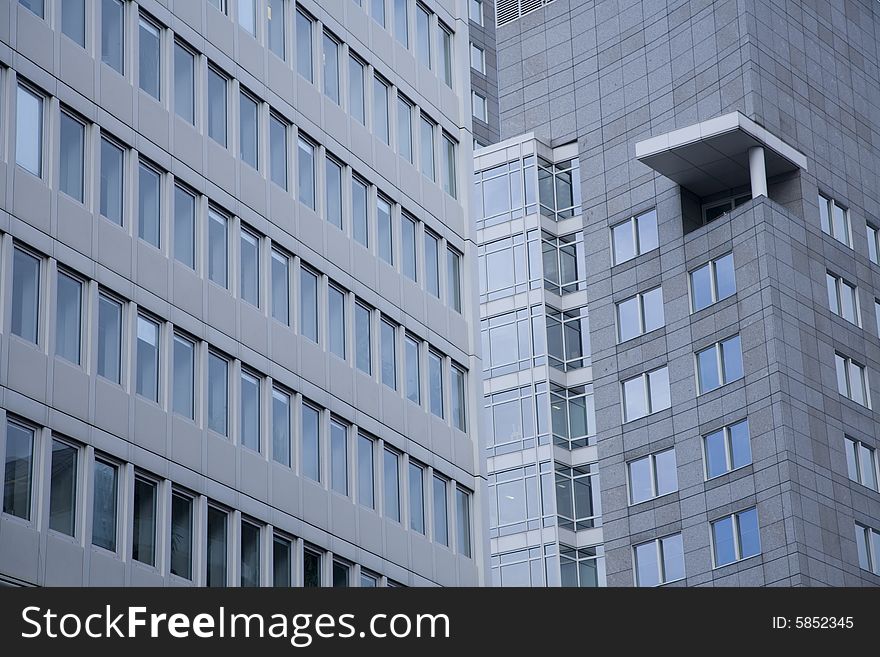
(416, 498)
(311, 568)
(862, 548)
(725, 278)
(872, 243)
(306, 172)
(339, 457)
(359, 212)
(453, 279)
(404, 129)
(25, 295)
(432, 264)
(380, 110)
(216, 106)
(388, 354)
(459, 408)
(377, 11)
(723, 539)
(331, 68)
(249, 281)
(450, 184)
(658, 384)
(249, 412)
(184, 84)
(408, 246)
(357, 107)
(18, 476)
(218, 251)
(247, 18)
(281, 426)
(304, 46)
(839, 224)
(441, 523)
(446, 55)
(362, 336)
(333, 188)
(740, 449)
(624, 242)
(308, 305)
(148, 58)
(275, 27)
(111, 181)
(750, 540)
(149, 204)
(707, 364)
(823, 214)
(867, 468)
(62, 489)
(852, 458)
(423, 36)
(392, 485)
(72, 156)
(634, 398)
(365, 472)
(666, 472)
(68, 318)
(73, 20)
(217, 548)
(336, 321)
(673, 558)
(647, 564)
(148, 358)
(143, 547)
(383, 228)
(848, 302)
(641, 486)
(281, 287)
(716, 455)
(426, 138)
(109, 338)
(652, 302)
(278, 151)
(412, 365)
(250, 555)
(183, 387)
(104, 505)
(184, 227)
(628, 321)
(181, 535)
(218, 393)
(311, 459)
(731, 352)
(647, 228)
(401, 21)
(281, 561)
(247, 135)
(463, 521)
(113, 33)
(842, 378)
(435, 383)
(701, 287)
(341, 574)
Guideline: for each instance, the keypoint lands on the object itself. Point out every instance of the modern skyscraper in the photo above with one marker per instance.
(238, 337)
(727, 227)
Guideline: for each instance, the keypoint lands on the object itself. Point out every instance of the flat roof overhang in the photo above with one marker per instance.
(713, 156)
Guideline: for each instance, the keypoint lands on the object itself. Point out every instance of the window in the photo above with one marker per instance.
(401, 21)
(392, 485)
(568, 338)
(441, 515)
(306, 172)
(659, 561)
(282, 553)
(426, 133)
(834, 219)
(62, 488)
(383, 228)
(843, 298)
(363, 338)
(68, 317)
(423, 35)
(109, 338)
(369, 581)
(356, 104)
(563, 262)
(646, 394)
(29, 131)
(149, 203)
(220, 5)
(435, 383)
(184, 83)
(868, 547)
(249, 411)
(308, 304)
(359, 222)
(217, 106)
(143, 543)
(388, 353)
(727, 449)
(448, 170)
(432, 263)
(459, 397)
(336, 320)
(147, 383)
(184, 226)
(577, 497)
(479, 106)
(184, 367)
(217, 550)
(73, 20)
(652, 476)
(478, 59)
(304, 46)
(249, 267)
(281, 287)
(341, 574)
(404, 128)
(380, 109)
(736, 537)
(218, 248)
(218, 393)
(275, 27)
(377, 11)
(71, 141)
(712, 282)
(331, 68)
(311, 442)
(445, 54)
(635, 236)
(248, 137)
(181, 535)
(719, 364)
(18, 478)
(861, 463)
(416, 497)
(366, 485)
(311, 567)
(333, 191)
(247, 17)
(281, 426)
(111, 181)
(475, 11)
(463, 521)
(149, 48)
(250, 554)
(113, 34)
(572, 416)
(104, 502)
(338, 456)
(640, 314)
(412, 365)
(873, 243)
(408, 246)
(453, 278)
(25, 295)
(877, 313)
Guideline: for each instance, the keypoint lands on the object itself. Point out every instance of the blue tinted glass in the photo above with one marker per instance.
(731, 353)
(716, 461)
(722, 535)
(673, 558)
(648, 571)
(701, 287)
(750, 540)
(740, 450)
(708, 366)
(725, 279)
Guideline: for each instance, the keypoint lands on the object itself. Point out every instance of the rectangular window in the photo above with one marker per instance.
(143, 543)
(408, 246)
(426, 141)
(304, 30)
(331, 68)
(308, 304)
(463, 521)
(363, 338)
(113, 34)
(448, 153)
(184, 227)
(111, 181)
(411, 353)
(441, 514)
(843, 298)
(356, 93)
(147, 364)
(184, 83)
(404, 128)
(383, 228)
(338, 456)
(218, 248)
(392, 484)
(306, 172)
(250, 554)
(104, 502)
(217, 106)
(719, 364)
(646, 394)
(445, 54)
(712, 282)
(423, 35)
(479, 107)
(73, 20)
(220, 5)
(377, 11)
(249, 411)
(341, 574)
(861, 463)
(652, 476)
(416, 497)
(281, 287)
(873, 243)
(18, 478)
(311, 568)
(149, 49)
(181, 535)
(478, 59)
(432, 263)
(248, 136)
(217, 550)
(369, 581)
(868, 547)
(635, 236)
(640, 314)
(249, 267)
(458, 397)
(659, 561)
(282, 558)
(380, 109)
(218, 393)
(435, 383)
(401, 21)
(736, 537)
(311, 442)
(388, 353)
(359, 222)
(336, 320)
(834, 219)
(275, 27)
(26, 295)
(109, 338)
(366, 485)
(184, 368)
(727, 449)
(71, 160)
(453, 278)
(281, 426)
(247, 16)
(475, 11)
(333, 191)
(149, 203)
(62, 488)
(68, 317)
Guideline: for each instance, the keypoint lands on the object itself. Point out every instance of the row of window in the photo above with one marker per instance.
(352, 331)
(550, 565)
(75, 477)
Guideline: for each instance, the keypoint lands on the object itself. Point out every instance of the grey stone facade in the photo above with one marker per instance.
(486, 84)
